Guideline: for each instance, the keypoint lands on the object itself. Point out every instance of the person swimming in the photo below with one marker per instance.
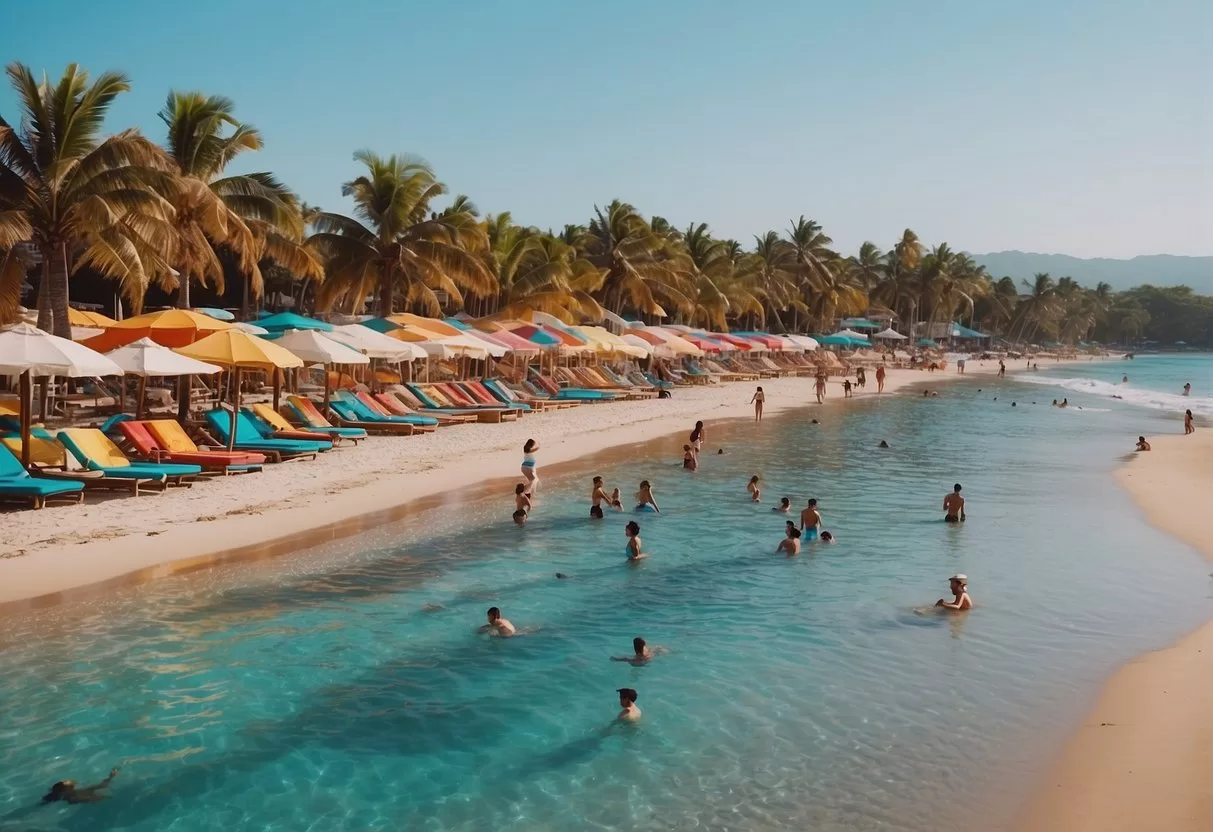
(616, 500)
(1124, 380)
(697, 437)
(810, 520)
(754, 489)
(1064, 403)
(497, 625)
(690, 460)
(883, 444)
(529, 469)
(632, 530)
(785, 505)
(68, 792)
(1054, 403)
(644, 498)
(791, 541)
(520, 517)
(627, 701)
(828, 537)
(597, 496)
(641, 653)
(959, 584)
(1142, 444)
(954, 506)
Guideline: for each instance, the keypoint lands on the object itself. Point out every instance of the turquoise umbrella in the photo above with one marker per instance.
(280, 323)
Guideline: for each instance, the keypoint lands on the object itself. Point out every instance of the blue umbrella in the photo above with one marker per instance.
(926, 342)
(217, 314)
(289, 320)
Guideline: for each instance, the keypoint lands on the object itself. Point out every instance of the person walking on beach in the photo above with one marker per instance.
(528, 465)
(632, 530)
(880, 373)
(959, 584)
(598, 495)
(820, 387)
(791, 542)
(697, 437)
(954, 506)
(846, 388)
(1002, 368)
(67, 791)
(1187, 388)
(757, 401)
(627, 701)
(497, 625)
(960, 366)
(810, 520)
(645, 501)
(1188, 426)
(861, 378)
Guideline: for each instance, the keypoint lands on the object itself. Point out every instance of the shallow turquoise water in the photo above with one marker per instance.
(346, 687)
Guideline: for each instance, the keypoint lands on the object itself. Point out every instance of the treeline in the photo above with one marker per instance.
(154, 222)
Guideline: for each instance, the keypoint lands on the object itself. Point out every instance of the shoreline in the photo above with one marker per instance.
(1143, 756)
(297, 505)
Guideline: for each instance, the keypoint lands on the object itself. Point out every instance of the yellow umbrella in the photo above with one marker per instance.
(239, 351)
(432, 324)
(168, 327)
(81, 317)
(607, 341)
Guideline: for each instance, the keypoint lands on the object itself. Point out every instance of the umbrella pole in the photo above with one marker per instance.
(277, 387)
(327, 395)
(43, 393)
(27, 412)
(142, 392)
(231, 434)
(183, 398)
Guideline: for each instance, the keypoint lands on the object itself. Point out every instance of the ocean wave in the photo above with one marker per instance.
(1172, 402)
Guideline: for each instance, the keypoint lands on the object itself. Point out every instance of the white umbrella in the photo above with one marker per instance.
(804, 341)
(788, 344)
(146, 358)
(850, 333)
(27, 351)
(251, 329)
(471, 346)
(890, 334)
(315, 347)
(374, 344)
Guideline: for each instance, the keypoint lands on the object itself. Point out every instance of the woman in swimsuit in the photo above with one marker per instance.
(755, 491)
(632, 530)
(528, 465)
(644, 498)
(1188, 426)
(791, 543)
(758, 400)
(697, 437)
(690, 461)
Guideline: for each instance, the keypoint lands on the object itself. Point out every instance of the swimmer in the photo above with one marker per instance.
(791, 542)
(1012, 404)
(758, 400)
(597, 496)
(810, 520)
(720, 451)
(520, 517)
(785, 505)
(560, 576)
(66, 791)
(522, 500)
(755, 491)
(880, 373)
(644, 498)
(828, 537)
(641, 653)
(954, 505)
(926, 393)
(528, 465)
(1064, 403)
(627, 701)
(1187, 388)
(1142, 444)
(497, 625)
(815, 422)
(1188, 426)
(1054, 403)
(632, 530)
(616, 500)
(959, 584)
(697, 437)
(883, 444)
(1124, 380)
(690, 461)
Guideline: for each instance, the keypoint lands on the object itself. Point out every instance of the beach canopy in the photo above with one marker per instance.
(606, 341)
(804, 341)
(850, 333)
(927, 342)
(168, 327)
(251, 329)
(512, 342)
(26, 349)
(859, 323)
(959, 331)
(667, 344)
(238, 350)
(840, 340)
(217, 314)
(374, 344)
(318, 348)
(408, 319)
(891, 335)
(284, 321)
(147, 358)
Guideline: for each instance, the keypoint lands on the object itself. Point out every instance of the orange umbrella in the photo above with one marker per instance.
(168, 327)
(441, 328)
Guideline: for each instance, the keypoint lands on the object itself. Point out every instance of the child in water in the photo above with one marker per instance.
(785, 505)
(959, 584)
(616, 500)
(632, 530)
(644, 498)
(755, 491)
(522, 501)
(828, 537)
(791, 542)
(690, 461)
(519, 517)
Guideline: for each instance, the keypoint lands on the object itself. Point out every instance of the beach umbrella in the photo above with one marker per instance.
(145, 358)
(315, 347)
(27, 351)
(507, 339)
(374, 344)
(284, 321)
(608, 342)
(251, 329)
(890, 335)
(804, 341)
(927, 342)
(408, 319)
(669, 345)
(217, 314)
(168, 327)
(852, 334)
(85, 318)
(859, 323)
(240, 351)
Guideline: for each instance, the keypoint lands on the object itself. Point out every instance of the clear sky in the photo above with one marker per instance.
(1076, 126)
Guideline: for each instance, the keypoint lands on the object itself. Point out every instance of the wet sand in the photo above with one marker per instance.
(1143, 758)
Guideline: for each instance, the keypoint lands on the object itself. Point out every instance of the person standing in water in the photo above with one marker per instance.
(528, 465)
(810, 520)
(758, 400)
(627, 701)
(954, 506)
(690, 460)
(1188, 426)
(880, 373)
(598, 495)
(67, 791)
(791, 542)
(497, 625)
(755, 491)
(632, 530)
(645, 501)
(846, 388)
(959, 584)
(522, 500)
(697, 437)
(1187, 388)
(785, 505)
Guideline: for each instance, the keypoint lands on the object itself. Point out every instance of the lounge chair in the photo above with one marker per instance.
(432, 399)
(395, 407)
(305, 412)
(17, 484)
(139, 437)
(97, 452)
(282, 429)
(349, 409)
(554, 390)
(248, 438)
(415, 406)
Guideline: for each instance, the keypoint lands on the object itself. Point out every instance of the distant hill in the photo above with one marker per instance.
(1157, 269)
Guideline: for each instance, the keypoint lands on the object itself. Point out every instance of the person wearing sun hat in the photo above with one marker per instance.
(959, 584)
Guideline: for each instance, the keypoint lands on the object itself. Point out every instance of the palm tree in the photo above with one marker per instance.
(869, 267)
(814, 259)
(540, 272)
(252, 215)
(949, 281)
(81, 200)
(899, 290)
(393, 242)
(771, 270)
(836, 294)
(1037, 309)
(711, 266)
(996, 305)
(644, 268)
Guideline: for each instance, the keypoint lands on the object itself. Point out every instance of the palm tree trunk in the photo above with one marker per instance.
(45, 318)
(57, 293)
(183, 292)
(385, 299)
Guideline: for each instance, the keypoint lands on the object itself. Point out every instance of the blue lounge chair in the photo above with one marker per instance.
(249, 439)
(17, 484)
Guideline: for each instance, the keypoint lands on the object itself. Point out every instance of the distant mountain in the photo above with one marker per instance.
(1157, 269)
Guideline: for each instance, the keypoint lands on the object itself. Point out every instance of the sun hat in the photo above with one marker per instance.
(960, 576)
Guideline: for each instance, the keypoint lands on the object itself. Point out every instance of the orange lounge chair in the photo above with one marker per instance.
(143, 442)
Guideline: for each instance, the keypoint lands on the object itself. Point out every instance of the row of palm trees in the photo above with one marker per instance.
(169, 215)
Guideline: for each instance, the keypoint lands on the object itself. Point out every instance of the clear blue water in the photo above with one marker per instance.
(1155, 381)
(346, 688)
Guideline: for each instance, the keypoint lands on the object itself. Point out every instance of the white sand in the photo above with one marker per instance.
(1143, 758)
